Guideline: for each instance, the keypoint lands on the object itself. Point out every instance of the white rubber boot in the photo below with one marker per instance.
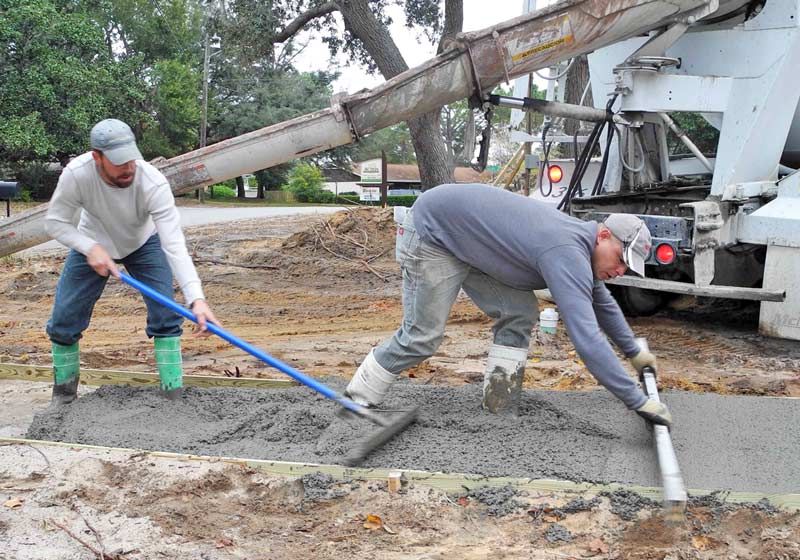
(502, 380)
(371, 382)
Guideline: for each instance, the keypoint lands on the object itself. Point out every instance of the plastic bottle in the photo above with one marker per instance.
(548, 321)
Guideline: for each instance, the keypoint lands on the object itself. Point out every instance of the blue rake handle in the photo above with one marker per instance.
(250, 349)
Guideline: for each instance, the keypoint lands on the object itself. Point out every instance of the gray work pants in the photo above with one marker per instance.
(432, 279)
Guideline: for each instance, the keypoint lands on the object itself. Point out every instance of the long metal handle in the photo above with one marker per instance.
(671, 479)
(249, 348)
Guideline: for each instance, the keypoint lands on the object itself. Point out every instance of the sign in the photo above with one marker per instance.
(370, 194)
(371, 172)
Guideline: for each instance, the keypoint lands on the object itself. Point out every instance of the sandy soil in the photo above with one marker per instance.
(319, 296)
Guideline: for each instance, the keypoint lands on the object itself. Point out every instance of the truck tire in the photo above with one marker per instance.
(638, 301)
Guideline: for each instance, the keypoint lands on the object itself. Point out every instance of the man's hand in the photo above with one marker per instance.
(642, 360)
(204, 316)
(655, 412)
(101, 262)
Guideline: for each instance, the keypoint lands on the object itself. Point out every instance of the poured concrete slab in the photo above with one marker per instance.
(747, 444)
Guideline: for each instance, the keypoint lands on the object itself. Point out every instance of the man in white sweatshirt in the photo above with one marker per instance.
(128, 216)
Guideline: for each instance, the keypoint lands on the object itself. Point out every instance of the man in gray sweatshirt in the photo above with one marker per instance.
(499, 247)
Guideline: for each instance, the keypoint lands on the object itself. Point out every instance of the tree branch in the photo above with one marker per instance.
(297, 24)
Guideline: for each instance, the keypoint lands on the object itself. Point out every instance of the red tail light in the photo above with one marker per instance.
(665, 253)
(555, 173)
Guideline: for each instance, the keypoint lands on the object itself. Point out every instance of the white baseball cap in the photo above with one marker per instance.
(635, 238)
(115, 140)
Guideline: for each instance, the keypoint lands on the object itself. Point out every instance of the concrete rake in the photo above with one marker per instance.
(389, 427)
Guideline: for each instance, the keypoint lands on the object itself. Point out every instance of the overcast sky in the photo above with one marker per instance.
(478, 14)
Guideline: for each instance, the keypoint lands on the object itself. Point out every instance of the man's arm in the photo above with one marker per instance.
(161, 206)
(612, 321)
(64, 208)
(568, 273)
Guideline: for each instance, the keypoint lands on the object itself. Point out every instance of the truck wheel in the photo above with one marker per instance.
(638, 301)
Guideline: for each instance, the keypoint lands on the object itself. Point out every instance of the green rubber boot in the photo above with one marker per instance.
(66, 373)
(170, 365)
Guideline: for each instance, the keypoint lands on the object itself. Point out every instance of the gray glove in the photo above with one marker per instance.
(655, 412)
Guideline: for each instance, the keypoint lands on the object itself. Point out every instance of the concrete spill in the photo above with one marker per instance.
(318, 487)
(500, 500)
(723, 443)
(627, 504)
(557, 533)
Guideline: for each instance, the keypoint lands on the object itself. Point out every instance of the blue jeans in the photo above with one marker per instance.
(432, 279)
(79, 288)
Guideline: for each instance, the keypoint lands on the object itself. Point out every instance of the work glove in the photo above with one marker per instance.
(642, 360)
(655, 412)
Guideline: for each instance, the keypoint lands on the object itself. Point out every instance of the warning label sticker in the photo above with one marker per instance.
(555, 32)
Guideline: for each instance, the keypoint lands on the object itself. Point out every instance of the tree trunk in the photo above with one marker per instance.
(240, 187)
(577, 78)
(470, 135)
(435, 166)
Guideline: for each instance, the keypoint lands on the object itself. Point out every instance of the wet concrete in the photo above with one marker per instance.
(725, 443)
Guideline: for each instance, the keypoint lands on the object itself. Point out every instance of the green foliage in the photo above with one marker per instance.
(177, 108)
(223, 191)
(36, 180)
(305, 182)
(704, 136)
(246, 100)
(275, 177)
(156, 30)
(405, 200)
(57, 78)
(394, 140)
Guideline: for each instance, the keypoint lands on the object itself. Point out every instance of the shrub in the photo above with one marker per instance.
(224, 191)
(305, 182)
(405, 200)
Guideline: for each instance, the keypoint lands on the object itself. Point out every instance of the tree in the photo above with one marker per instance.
(175, 108)
(367, 40)
(251, 87)
(305, 182)
(458, 130)
(57, 79)
(704, 136)
(394, 141)
(243, 101)
(166, 36)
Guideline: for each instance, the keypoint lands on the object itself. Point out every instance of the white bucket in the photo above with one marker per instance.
(548, 321)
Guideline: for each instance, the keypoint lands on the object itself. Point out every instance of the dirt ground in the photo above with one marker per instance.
(318, 293)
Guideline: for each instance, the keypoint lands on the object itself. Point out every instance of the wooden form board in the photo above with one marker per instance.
(97, 377)
(448, 482)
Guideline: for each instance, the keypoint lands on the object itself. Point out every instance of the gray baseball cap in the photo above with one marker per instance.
(635, 238)
(116, 140)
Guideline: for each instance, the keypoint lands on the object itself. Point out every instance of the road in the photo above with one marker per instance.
(198, 216)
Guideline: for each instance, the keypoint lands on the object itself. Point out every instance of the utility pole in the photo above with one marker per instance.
(204, 117)
(528, 6)
(526, 185)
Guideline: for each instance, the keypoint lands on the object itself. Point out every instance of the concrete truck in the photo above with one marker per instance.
(723, 226)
